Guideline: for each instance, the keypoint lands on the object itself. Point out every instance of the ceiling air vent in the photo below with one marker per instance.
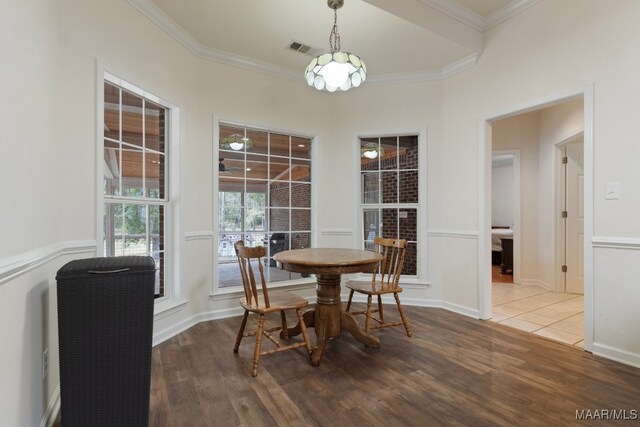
(304, 49)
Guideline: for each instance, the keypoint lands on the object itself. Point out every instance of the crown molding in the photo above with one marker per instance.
(474, 20)
(507, 12)
(458, 12)
(162, 20)
(459, 66)
(424, 76)
(389, 79)
(251, 64)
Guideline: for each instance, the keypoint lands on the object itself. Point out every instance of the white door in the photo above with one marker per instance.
(574, 279)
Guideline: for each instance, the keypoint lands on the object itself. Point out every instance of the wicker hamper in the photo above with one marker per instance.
(105, 325)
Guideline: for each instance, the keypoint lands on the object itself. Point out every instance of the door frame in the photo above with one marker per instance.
(561, 226)
(484, 199)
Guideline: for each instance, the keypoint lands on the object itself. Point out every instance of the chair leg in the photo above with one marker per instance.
(380, 314)
(303, 328)
(403, 316)
(349, 301)
(367, 322)
(241, 331)
(256, 353)
(285, 331)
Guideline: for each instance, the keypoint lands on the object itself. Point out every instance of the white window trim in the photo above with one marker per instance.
(229, 292)
(420, 280)
(171, 299)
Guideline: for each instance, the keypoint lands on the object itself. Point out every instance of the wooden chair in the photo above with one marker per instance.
(384, 281)
(264, 303)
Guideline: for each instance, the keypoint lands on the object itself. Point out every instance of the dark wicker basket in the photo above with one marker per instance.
(105, 326)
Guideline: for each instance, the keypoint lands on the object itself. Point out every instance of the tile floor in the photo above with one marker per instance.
(531, 308)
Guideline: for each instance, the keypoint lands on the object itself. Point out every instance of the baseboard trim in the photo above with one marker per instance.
(537, 282)
(616, 354)
(13, 267)
(461, 309)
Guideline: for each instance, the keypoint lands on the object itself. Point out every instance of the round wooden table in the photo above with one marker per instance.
(328, 318)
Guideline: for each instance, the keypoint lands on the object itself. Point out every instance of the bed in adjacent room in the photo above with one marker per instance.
(497, 234)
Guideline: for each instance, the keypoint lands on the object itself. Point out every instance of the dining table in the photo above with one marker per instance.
(327, 317)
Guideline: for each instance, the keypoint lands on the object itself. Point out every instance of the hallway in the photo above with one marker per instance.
(531, 308)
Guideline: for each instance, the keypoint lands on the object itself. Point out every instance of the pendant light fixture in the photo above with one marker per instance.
(235, 142)
(371, 150)
(335, 69)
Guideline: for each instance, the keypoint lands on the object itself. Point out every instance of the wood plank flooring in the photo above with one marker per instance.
(454, 371)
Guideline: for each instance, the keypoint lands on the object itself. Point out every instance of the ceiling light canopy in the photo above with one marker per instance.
(335, 69)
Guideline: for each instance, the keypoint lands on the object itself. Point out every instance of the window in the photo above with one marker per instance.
(389, 192)
(135, 196)
(264, 197)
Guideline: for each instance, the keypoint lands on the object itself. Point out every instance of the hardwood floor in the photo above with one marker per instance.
(454, 371)
(497, 277)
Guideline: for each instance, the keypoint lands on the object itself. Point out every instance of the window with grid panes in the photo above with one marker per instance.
(135, 171)
(389, 192)
(264, 197)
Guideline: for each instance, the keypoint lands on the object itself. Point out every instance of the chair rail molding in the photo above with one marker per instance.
(459, 234)
(632, 243)
(336, 231)
(15, 266)
(199, 235)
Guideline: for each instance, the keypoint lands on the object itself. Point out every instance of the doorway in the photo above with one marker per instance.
(552, 248)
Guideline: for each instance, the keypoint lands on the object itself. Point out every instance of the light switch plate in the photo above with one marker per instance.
(612, 190)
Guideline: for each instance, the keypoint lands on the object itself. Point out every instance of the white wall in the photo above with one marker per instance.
(522, 62)
(48, 164)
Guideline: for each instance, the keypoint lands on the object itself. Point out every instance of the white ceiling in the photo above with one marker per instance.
(399, 40)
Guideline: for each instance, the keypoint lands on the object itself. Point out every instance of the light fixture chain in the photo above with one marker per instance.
(334, 37)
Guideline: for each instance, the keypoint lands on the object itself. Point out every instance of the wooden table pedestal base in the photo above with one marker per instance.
(328, 319)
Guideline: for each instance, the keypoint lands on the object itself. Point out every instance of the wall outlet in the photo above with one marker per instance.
(45, 363)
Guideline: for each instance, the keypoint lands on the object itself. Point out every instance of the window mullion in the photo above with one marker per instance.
(144, 150)
(120, 141)
(147, 227)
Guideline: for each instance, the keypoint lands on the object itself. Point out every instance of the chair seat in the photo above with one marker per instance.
(376, 288)
(278, 301)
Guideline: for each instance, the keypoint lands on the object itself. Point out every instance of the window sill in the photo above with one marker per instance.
(235, 292)
(167, 308)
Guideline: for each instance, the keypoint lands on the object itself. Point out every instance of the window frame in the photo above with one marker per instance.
(171, 185)
(420, 277)
(217, 291)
